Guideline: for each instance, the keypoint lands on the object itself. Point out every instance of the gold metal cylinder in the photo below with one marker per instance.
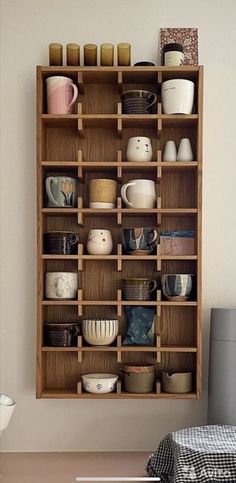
(90, 54)
(123, 54)
(72, 54)
(55, 54)
(107, 54)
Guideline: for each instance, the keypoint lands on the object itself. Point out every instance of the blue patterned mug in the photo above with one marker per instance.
(137, 241)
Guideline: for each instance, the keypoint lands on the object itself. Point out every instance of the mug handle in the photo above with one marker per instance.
(59, 289)
(74, 330)
(124, 196)
(75, 95)
(50, 180)
(150, 283)
(154, 96)
(154, 239)
(73, 239)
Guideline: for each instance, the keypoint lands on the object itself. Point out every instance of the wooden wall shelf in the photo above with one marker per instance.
(90, 143)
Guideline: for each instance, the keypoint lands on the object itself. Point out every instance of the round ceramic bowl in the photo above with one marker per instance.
(99, 383)
(100, 332)
(177, 286)
(177, 382)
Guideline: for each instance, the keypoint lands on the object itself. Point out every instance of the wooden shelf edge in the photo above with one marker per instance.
(63, 394)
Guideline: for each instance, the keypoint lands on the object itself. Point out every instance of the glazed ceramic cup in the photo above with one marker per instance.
(139, 149)
(99, 242)
(177, 96)
(61, 285)
(100, 332)
(177, 286)
(137, 241)
(138, 102)
(170, 151)
(62, 94)
(139, 378)
(177, 382)
(61, 242)
(102, 193)
(138, 288)
(139, 193)
(7, 406)
(61, 335)
(185, 152)
(99, 383)
(61, 191)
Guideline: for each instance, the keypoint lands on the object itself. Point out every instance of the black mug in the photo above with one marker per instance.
(61, 243)
(61, 335)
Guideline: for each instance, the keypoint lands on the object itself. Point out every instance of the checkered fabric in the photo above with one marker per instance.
(205, 454)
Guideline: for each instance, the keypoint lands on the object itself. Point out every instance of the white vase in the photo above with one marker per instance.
(170, 151)
(7, 406)
(185, 152)
(99, 242)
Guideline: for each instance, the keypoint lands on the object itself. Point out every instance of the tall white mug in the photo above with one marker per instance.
(139, 193)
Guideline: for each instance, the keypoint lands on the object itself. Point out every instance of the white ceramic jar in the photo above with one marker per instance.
(139, 148)
(99, 242)
(177, 96)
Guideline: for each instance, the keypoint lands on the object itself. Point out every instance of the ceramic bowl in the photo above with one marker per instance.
(100, 332)
(177, 382)
(177, 286)
(99, 383)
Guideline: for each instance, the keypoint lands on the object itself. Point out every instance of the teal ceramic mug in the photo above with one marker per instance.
(61, 192)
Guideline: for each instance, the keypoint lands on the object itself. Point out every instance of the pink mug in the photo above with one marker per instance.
(61, 94)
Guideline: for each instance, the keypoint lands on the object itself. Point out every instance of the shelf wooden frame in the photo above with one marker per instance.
(90, 143)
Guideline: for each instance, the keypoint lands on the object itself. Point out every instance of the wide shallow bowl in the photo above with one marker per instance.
(177, 286)
(177, 382)
(100, 332)
(99, 383)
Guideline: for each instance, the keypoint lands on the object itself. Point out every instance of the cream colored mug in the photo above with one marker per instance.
(139, 193)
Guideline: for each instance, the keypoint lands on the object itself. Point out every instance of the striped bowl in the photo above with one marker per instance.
(100, 331)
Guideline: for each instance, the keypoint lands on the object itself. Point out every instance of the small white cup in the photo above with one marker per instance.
(139, 148)
(185, 152)
(7, 406)
(99, 242)
(170, 151)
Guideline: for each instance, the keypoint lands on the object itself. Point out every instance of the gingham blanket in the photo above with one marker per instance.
(205, 454)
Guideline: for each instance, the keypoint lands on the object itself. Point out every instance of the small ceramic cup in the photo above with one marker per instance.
(61, 285)
(177, 286)
(61, 191)
(138, 288)
(139, 148)
(170, 151)
(61, 335)
(102, 193)
(139, 241)
(139, 193)
(99, 242)
(61, 242)
(185, 152)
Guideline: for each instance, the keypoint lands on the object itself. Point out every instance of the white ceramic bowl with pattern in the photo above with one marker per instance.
(99, 383)
(100, 331)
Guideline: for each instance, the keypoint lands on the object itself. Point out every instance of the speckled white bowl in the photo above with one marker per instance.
(99, 383)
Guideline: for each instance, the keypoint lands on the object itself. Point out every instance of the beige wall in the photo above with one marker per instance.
(28, 26)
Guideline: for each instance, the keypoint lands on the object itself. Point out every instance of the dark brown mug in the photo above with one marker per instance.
(61, 243)
(61, 335)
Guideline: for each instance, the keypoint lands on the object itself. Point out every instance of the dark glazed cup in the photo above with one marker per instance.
(140, 241)
(61, 243)
(138, 102)
(61, 335)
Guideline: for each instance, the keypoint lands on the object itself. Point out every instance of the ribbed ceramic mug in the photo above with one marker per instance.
(138, 288)
(61, 191)
(62, 94)
(139, 193)
(61, 335)
(61, 242)
(61, 285)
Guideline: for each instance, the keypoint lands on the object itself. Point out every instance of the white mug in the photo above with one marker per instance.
(185, 152)
(139, 193)
(177, 96)
(139, 149)
(61, 285)
(170, 151)
(7, 406)
(99, 242)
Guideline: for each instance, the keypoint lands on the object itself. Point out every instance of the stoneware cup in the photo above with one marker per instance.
(170, 151)
(61, 285)
(185, 152)
(177, 96)
(139, 193)
(99, 242)
(177, 286)
(7, 406)
(141, 241)
(62, 94)
(61, 335)
(139, 149)
(138, 288)
(61, 191)
(61, 242)
(177, 382)
(102, 193)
